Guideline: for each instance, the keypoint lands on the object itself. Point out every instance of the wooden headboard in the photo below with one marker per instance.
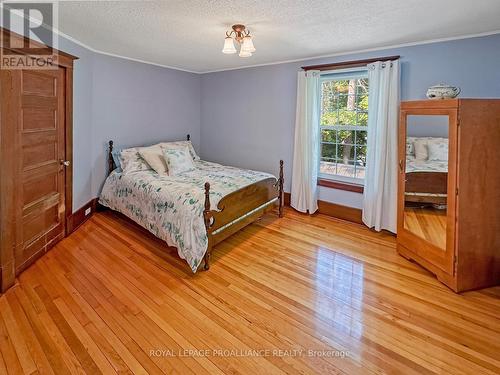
(111, 161)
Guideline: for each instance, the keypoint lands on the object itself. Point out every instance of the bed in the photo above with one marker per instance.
(195, 210)
(426, 180)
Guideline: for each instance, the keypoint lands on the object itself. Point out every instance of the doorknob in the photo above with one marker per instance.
(66, 163)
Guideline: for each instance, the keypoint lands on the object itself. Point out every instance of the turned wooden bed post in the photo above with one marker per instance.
(111, 162)
(207, 218)
(280, 188)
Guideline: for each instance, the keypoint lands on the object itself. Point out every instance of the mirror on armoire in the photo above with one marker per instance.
(426, 177)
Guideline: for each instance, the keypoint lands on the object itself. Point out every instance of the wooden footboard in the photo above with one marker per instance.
(426, 187)
(240, 208)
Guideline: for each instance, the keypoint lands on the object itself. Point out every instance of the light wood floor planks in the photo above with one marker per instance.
(296, 295)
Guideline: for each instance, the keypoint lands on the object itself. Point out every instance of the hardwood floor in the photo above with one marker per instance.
(300, 294)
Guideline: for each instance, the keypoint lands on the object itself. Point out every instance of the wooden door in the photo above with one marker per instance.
(40, 193)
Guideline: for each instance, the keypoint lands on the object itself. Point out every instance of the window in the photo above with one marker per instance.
(344, 125)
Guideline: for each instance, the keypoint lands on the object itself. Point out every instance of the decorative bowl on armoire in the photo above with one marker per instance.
(442, 91)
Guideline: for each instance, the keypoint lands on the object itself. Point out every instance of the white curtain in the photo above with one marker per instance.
(380, 192)
(304, 194)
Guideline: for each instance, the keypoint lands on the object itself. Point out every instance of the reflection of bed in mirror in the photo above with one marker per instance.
(426, 170)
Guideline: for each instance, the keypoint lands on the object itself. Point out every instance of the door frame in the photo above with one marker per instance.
(68, 149)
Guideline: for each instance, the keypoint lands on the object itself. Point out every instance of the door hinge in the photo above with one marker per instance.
(456, 191)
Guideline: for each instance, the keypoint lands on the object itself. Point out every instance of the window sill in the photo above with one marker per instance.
(340, 185)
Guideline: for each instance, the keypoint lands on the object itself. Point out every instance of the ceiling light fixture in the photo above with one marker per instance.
(243, 37)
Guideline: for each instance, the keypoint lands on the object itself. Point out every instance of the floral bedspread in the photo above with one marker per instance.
(414, 165)
(171, 207)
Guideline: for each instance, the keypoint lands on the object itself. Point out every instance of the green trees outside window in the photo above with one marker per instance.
(344, 121)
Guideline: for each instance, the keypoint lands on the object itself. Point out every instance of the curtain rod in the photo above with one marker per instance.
(349, 64)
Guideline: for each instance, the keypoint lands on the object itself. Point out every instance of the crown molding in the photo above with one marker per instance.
(344, 53)
(86, 46)
(352, 52)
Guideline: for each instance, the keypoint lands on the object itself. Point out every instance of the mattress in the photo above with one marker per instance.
(171, 207)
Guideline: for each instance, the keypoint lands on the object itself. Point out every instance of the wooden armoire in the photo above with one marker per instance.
(35, 159)
(448, 194)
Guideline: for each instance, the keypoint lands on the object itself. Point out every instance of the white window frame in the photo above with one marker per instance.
(359, 72)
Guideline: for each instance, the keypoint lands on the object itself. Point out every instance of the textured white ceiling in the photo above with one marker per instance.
(189, 34)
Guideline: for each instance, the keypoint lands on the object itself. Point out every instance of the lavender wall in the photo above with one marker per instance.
(248, 115)
(130, 102)
(139, 104)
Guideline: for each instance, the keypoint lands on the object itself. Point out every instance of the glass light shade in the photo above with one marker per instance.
(247, 45)
(228, 46)
(244, 53)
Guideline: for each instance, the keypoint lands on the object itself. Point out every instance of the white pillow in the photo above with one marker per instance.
(438, 150)
(178, 160)
(153, 155)
(420, 149)
(410, 149)
(181, 144)
(131, 161)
